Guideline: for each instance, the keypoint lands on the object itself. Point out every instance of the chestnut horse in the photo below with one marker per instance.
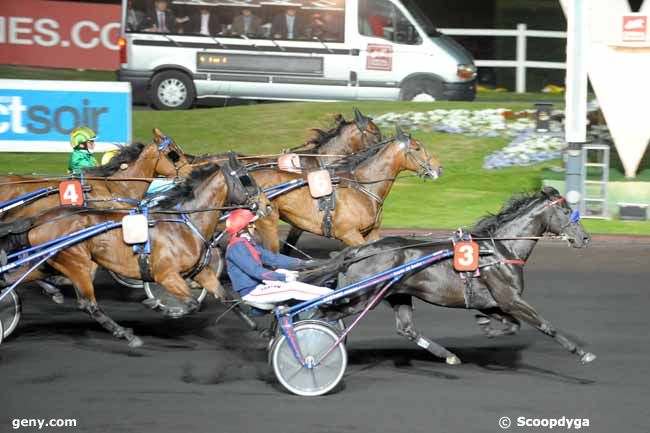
(359, 197)
(132, 162)
(178, 249)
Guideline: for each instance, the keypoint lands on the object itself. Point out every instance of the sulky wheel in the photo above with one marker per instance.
(9, 313)
(1, 332)
(314, 339)
(126, 282)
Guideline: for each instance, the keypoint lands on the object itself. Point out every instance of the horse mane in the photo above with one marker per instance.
(352, 162)
(126, 155)
(321, 137)
(512, 209)
(186, 190)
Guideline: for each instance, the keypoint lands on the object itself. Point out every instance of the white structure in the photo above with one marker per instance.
(618, 64)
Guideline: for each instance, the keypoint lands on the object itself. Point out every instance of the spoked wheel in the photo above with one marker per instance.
(126, 282)
(160, 298)
(314, 338)
(1, 332)
(9, 313)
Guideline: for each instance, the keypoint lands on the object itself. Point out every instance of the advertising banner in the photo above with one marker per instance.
(38, 116)
(59, 34)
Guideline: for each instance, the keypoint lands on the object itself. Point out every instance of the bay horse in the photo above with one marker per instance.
(497, 292)
(366, 180)
(178, 249)
(346, 138)
(125, 176)
(122, 173)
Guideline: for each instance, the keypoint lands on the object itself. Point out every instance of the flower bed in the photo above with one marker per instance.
(527, 148)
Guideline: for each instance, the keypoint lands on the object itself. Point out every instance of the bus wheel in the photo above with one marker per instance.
(422, 90)
(172, 90)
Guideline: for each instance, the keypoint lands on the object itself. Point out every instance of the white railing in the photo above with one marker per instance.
(520, 63)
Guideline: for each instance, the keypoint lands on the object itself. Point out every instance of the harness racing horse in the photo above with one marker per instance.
(125, 177)
(180, 235)
(509, 237)
(365, 181)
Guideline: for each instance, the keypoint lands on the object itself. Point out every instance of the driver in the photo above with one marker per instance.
(257, 285)
(82, 140)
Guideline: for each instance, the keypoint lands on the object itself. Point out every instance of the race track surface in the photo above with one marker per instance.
(194, 376)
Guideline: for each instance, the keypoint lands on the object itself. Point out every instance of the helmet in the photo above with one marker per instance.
(81, 135)
(238, 220)
(106, 157)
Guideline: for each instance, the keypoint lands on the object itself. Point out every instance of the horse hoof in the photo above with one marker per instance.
(453, 360)
(587, 358)
(135, 342)
(152, 303)
(58, 298)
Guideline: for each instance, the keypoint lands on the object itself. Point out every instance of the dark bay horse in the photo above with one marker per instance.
(497, 292)
(132, 162)
(366, 180)
(177, 249)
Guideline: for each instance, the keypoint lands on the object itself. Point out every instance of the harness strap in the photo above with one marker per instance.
(514, 262)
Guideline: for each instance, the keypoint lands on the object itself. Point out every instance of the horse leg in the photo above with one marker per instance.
(372, 236)
(174, 283)
(484, 322)
(405, 327)
(352, 238)
(267, 228)
(512, 304)
(81, 274)
(292, 239)
(207, 279)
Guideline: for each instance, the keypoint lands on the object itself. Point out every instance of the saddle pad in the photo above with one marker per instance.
(320, 183)
(290, 162)
(135, 229)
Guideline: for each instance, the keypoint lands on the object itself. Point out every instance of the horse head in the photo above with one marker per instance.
(417, 158)
(561, 220)
(171, 160)
(370, 133)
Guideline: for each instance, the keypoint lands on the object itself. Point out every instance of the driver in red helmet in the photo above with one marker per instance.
(258, 285)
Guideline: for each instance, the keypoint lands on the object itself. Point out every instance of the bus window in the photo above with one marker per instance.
(381, 19)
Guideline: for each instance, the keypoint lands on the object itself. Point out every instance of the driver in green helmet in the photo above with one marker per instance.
(82, 140)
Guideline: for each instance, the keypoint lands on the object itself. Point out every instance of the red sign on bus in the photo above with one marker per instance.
(59, 34)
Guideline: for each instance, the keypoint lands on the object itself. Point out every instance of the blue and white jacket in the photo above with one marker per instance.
(245, 262)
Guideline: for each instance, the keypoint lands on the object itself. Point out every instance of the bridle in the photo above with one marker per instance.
(573, 219)
(425, 165)
(365, 132)
(172, 151)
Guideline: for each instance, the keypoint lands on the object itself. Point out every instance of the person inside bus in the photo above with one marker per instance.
(206, 22)
(287, 25)
(248, 265)
(134, 18)
(162, 19)
(371, 24)
(246, 24)
(324, 26)
(82, 140)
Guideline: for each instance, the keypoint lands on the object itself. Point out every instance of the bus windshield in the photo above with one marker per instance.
(423, 21)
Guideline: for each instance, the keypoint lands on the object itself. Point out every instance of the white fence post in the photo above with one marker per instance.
(521, 58)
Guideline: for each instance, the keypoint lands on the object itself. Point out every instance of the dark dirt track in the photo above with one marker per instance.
(193, 376)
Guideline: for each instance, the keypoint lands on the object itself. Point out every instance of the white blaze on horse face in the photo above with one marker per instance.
(619, 76)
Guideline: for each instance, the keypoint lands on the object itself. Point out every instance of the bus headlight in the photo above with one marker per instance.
(466, 71)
